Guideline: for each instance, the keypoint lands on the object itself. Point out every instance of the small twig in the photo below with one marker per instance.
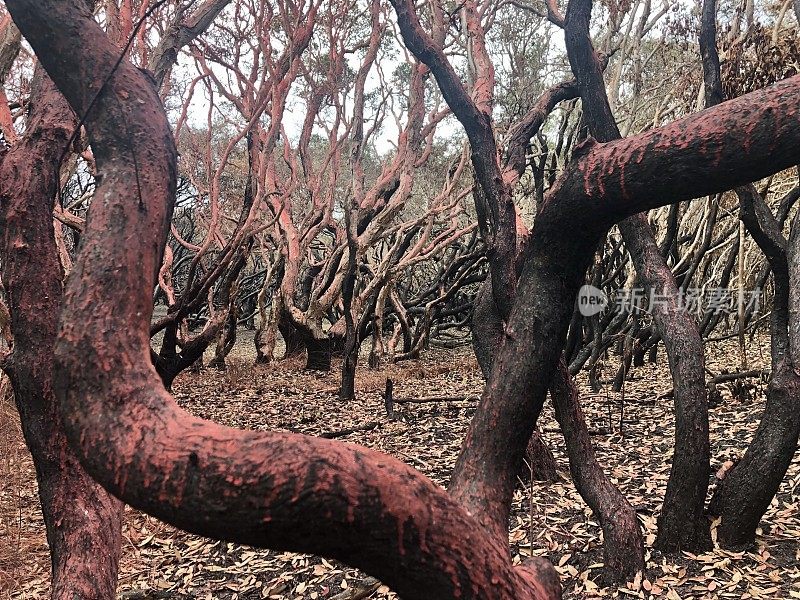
(414, 459)
(430, 399)
(344, 432)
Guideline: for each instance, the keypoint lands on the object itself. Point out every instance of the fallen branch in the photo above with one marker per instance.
(724, 377)
(430, 399)
(600, 431)
(344, 432)
(362, 590)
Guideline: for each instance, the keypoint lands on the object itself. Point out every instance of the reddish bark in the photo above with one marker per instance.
(82, 521)
(742, 140)
(494, 204)
(316, 495)
(281, 490)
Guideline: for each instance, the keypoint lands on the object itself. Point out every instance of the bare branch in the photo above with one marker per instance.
(166, 53)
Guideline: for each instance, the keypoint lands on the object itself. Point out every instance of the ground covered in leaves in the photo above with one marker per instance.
(632, 432)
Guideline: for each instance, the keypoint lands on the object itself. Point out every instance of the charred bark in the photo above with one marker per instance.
(683, 525)
(623, 545)
(743, 497)
(347, 390)
(292, 336)
(539, 463)
(319, 351)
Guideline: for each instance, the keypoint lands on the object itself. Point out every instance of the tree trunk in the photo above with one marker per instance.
(227, 338)
(347, 391)
(623, 546)
(539, 463)
(683, 525)
(487, 328)
(293, 339)
(83, 523)
(318, 351)
(744, 495)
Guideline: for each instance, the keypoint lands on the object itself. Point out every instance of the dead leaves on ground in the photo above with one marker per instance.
(161, 562)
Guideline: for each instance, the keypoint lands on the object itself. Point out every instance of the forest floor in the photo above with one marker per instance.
(549, 519)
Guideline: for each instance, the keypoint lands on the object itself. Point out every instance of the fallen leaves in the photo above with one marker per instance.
(161, 560)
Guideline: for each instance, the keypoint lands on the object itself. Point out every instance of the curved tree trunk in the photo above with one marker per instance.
(683, 525)
(82, 521)
(623, 546)
(743, 497)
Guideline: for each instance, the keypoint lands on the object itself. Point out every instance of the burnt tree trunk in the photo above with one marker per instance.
(623, 546)
(227, 338)
(539, 463)
(347, 391)
(487, 328)
(683, 524)
(743, 497)
(292, 337)
(82, 521)
(319, 351)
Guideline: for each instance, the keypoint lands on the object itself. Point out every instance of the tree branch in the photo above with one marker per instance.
(276, 490)
(179, 34)
(520, 134)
